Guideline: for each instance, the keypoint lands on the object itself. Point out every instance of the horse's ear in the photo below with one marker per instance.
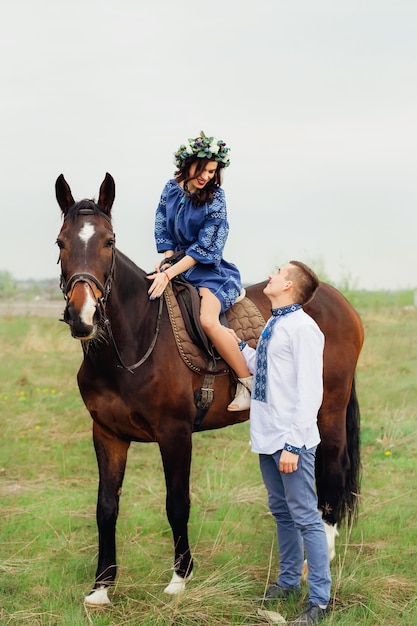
(63, 194)
(107, 194)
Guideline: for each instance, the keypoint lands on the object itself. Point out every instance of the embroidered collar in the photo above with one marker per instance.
(284, 310)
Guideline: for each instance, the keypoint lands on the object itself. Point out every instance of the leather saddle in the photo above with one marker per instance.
(189, 303)
(183, 303)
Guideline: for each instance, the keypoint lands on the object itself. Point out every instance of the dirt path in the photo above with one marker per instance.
(38, 308)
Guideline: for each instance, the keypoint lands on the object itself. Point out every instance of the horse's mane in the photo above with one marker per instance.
(85, 205)
(128, 263)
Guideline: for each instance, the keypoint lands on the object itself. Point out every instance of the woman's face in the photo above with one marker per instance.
(194, 184)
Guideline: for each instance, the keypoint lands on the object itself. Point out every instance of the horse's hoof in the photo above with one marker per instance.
(177, 584)
(98, 597)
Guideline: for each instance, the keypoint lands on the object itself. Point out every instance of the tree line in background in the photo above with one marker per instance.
(48, 289)
(11, 288)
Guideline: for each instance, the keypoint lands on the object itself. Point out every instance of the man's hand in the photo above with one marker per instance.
(233, 334)
(288, 462)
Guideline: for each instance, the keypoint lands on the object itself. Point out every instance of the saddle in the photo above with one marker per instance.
(183, 304)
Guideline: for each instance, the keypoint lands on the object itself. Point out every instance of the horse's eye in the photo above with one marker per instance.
(110, 243)
(60, 244)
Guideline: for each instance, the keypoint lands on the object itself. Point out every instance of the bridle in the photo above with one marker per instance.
(67, 288)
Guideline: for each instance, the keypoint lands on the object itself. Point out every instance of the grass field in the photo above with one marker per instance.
(48, 486)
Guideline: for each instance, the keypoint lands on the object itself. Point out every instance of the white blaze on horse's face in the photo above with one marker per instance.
(86, 233)
(89, 308)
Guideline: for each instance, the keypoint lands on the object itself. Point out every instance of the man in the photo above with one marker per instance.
(286, 397)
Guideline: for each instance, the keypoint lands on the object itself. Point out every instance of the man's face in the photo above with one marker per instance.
(277, 282)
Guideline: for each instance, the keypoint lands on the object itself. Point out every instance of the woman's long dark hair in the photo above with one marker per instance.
(201, 196)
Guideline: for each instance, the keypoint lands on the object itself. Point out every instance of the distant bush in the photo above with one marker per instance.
(364, 299)
(8, 286)
(45, 289)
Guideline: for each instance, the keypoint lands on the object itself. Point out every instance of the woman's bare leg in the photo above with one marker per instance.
(222, 340)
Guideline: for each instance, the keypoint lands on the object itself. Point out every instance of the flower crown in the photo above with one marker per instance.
(203, 147)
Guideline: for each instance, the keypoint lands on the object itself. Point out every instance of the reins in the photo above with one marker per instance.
(105, 322)
(131, 368)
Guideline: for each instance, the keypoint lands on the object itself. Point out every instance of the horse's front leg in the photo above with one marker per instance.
(111, 453)
(176, 459)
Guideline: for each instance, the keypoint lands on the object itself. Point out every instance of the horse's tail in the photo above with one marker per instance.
(353, 478)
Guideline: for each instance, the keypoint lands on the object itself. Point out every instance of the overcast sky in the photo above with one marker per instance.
(317, 100)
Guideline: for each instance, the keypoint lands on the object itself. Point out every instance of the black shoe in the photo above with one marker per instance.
(276, 592)
(312, 615)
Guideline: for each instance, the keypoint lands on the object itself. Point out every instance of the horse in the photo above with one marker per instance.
(134, 392)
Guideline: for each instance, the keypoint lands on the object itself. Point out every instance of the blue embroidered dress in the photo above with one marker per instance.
(201, 232)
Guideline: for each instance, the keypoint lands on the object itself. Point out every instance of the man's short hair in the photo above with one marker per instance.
(305, 281)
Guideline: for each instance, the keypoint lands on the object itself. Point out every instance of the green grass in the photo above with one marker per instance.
(48, 487)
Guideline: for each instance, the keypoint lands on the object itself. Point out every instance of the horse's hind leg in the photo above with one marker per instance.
(176, 459)
(338, 464)
(332, 469)
(111, 455)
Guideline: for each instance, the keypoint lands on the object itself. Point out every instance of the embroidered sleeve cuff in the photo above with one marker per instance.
(242, 345)
(289, 448)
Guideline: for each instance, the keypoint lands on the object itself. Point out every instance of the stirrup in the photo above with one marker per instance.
(241, 401)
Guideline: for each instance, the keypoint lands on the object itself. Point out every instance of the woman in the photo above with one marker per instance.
(191, 218)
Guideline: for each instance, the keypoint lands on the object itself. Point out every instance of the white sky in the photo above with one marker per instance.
(316, 98)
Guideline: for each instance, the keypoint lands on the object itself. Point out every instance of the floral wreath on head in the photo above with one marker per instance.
(203, 147)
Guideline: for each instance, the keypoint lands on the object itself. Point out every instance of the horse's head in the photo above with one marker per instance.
(87, 256)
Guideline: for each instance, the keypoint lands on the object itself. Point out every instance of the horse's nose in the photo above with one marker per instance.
(80, 327)
(82, 332)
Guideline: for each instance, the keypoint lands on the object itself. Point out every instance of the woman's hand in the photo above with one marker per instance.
(160, 280)
(161, 277)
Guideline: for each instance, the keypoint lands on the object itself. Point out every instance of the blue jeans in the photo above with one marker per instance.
(293, 502)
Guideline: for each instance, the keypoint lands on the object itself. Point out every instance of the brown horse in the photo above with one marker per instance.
(108, 310)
